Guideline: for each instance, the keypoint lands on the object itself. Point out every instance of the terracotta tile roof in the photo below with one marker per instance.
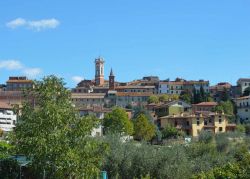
(5, 106)
(183, 82)
(19, 81)
(207, 104)
(244, 97)
(88, 95)
(134, 87)
(134, 94)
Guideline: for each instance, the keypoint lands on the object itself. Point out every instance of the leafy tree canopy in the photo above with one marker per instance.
(117, 121)
(153, 99)
(54, 136)
(144, 130)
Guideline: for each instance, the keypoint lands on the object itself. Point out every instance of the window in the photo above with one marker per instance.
(220, 121)
(187, 123)
(175, 123)
(220, 129)
(205, 123)
(198, 122)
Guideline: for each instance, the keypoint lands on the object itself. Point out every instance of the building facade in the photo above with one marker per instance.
(204, 106)
(7, 117)
(99, 71)
(193, 124)
(243, 83)
(18, 83)
(180, 85)
(243, 108)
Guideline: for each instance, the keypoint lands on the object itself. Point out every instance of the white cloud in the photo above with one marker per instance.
(16, 23)
(32, 72)
(43, 24)
(36, 25)
(10, 65)
(77, 79)
(17, 65)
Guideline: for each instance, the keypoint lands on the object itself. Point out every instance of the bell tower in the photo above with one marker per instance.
(111, 80)
(99, 71)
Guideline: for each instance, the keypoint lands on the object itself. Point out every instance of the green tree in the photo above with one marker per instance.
(205, 137)
(225, 96)
(144, 130)
(52, 134)
(186, 96)
(246, 91)
(117, 121)
(5, 150)
(227, 107)
(141, 110)
(170, 132)
(164, 98)
(203, 94)
(153, 99)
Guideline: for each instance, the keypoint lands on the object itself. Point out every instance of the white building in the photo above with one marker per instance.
(176, 87)
(7, 117)
(243, 83)
(243, 108)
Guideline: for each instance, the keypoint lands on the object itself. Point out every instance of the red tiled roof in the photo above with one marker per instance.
(134, 87)
(207, 104)
(243, 97)
(134, 94)
(19, 81)
(5, 106)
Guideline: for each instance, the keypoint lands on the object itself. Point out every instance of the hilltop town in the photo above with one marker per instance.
(188, 105)
(180, 121)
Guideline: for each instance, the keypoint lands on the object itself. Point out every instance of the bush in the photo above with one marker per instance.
(222, 142)
(205, 137)
(9, 168)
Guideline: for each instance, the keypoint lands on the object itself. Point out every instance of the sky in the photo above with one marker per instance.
(191, 39)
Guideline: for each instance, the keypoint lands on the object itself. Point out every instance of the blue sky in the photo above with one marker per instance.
(192, 39)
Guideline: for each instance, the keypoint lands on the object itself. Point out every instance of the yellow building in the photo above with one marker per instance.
(193, 124)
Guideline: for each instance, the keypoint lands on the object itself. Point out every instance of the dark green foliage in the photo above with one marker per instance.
(206, 137)
(137, 160)
(200, 95)
(171, 132)
(9, 168)
(247, 129)
(228, 107)
(186, 96)
(225, 95)
(141, 110)
(222, 142)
